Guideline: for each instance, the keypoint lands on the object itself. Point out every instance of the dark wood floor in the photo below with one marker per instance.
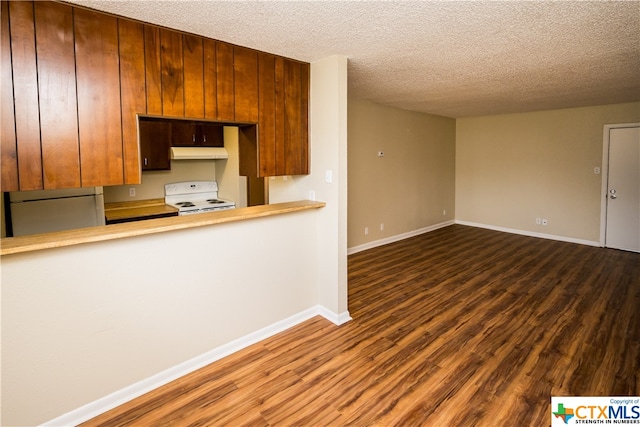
(457, 327)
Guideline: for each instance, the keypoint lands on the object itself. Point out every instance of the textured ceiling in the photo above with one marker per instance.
(451, 58)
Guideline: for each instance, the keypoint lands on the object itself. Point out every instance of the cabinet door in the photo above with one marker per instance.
(245, 74)
(302, 167)
(192, 48)
(132, 92)
(9, 165)
(210, 79)
(280, 118)
(153, 70)
(296, 98)
(154, 144)
(267, 115)
(98, 81)
(224, 76)
(57, 89)
(183, 133)
(172, 73)
(25, 93)
(186, 133)
(211, 135)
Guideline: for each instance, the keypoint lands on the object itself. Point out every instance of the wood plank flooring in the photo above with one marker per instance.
(458, 327)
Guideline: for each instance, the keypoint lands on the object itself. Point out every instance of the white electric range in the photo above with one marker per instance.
(194, 197)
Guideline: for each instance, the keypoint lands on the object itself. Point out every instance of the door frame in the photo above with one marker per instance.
(605, 176)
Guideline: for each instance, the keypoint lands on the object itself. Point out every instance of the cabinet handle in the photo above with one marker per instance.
(145, 161)
(194, 138)
(204, 138)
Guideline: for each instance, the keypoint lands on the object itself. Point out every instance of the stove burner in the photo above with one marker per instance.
(214, 201)
(185, 204)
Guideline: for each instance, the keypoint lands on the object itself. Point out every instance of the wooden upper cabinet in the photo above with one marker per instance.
(210, 79)
(155, 136)
(75, 80)
(25, 93)
(224, 81)
(153, 67)
(132, 93)
(300, 166)
(183, 133)
(193, 53)
(283, 110)
(280, 165)
(245, 75)
(172, 73)
(164, 72)
(187, 133)
(266, 115)
(99, 113)
(211, 134)
(296, 101)
(8, 149)
(57, 89)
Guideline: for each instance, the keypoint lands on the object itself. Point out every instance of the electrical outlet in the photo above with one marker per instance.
(596, 170)
(366, 231)
(381, 226)
(538, 221)
(132, 192)
(444, 212)
(544, 221)
(380, 153)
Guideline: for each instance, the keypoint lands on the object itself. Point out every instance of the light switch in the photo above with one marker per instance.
(328, 175)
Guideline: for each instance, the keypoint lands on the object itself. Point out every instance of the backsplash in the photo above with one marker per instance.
(153, 182)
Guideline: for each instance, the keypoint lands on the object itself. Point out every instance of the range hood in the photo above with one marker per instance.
(198, 153)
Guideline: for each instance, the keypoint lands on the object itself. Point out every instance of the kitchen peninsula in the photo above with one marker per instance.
(14, 245)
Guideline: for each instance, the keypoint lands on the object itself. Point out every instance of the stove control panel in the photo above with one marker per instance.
(190, 187)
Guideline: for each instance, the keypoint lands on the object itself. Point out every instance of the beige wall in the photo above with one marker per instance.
(514, 168)
(152, 186)
(81, 322)
(409, 188)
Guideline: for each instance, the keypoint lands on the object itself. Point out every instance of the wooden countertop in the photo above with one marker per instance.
(36, 242)
(137, 209)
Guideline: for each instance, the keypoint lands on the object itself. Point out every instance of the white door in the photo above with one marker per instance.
(623, 190)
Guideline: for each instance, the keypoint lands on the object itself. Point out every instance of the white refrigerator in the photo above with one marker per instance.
(44, 211)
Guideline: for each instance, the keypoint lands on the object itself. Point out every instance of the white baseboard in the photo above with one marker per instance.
(398, 237)
(95, 408)
(531, 233)
(335, 318)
